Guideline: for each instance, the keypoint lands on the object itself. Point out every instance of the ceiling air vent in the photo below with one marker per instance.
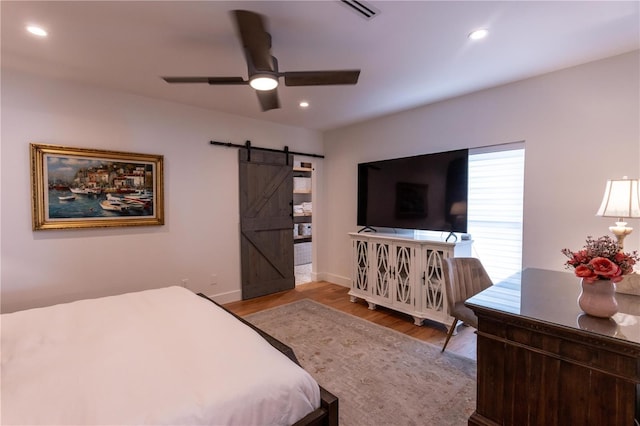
(362, 8)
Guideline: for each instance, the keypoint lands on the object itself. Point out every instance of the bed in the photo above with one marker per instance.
(164, 356)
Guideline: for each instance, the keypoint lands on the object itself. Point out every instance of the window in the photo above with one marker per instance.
(496, 184)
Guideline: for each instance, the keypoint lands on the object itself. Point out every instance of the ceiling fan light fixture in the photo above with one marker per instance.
(36, 30)
(263, 82)
(478, 34)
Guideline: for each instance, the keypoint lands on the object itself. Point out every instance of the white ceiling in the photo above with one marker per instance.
(412, 53)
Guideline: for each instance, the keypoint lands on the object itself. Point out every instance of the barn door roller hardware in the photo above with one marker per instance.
(248, 147)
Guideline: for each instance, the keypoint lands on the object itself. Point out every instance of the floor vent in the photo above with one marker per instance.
(362, 8)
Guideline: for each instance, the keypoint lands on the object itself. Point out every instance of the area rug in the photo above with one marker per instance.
(382, 377)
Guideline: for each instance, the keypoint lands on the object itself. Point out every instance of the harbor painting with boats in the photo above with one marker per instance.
(95, 188)
(81, 189)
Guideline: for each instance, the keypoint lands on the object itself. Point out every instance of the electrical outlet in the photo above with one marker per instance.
(214, 279)
(184, 282)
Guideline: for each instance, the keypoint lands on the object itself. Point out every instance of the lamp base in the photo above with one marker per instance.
(630, 284)
(621, 230)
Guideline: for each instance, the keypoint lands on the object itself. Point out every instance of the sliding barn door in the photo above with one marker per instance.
(266, 222)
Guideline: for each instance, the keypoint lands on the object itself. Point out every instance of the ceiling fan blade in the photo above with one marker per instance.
(255, 39)
(209, 80)
(268, 99)
(320, 78)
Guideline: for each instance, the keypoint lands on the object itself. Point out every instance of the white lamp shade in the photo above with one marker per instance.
(621, 199)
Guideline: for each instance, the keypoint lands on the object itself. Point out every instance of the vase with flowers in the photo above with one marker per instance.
(600, 264)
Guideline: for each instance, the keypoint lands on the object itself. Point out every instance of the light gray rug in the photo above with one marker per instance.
(381, 376)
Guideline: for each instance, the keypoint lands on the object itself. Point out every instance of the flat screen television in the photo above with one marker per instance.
(424, 192)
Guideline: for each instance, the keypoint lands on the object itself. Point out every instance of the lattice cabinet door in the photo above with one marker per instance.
(404, 271)
(433, 292)
(360, 284)
(382, 269)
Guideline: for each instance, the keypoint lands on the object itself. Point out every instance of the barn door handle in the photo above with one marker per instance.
(247, 145)
(291, 204)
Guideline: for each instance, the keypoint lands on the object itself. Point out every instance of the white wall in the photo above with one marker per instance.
(201, 234)
(581, 126)
(573, 122)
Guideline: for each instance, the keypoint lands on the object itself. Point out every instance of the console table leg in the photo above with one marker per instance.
(353, 299)
(372, 306)
(418, 321)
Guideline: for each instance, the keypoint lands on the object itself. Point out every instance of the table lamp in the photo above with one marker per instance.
(621, 200)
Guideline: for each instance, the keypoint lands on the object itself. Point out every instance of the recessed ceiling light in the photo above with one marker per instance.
(304, 104)
(35, 30)
(478, 34)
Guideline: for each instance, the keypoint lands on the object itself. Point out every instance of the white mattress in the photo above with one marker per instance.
(163, 356)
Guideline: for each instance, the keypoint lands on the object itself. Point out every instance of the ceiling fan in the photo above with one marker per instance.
(263, 67)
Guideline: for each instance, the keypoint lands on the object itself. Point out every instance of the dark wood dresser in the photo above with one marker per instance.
(542, 361)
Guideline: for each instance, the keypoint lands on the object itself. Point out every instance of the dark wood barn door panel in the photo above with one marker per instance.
(266, 222)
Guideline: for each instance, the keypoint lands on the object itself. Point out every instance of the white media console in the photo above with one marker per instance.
(403, 273)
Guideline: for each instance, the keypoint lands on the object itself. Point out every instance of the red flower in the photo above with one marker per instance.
(604, 267)
(581, 256)
(583, 271)
(620, 257)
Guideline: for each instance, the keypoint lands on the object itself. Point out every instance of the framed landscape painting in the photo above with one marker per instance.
(88, 188)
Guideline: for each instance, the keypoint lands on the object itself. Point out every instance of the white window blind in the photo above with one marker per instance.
(496, 184)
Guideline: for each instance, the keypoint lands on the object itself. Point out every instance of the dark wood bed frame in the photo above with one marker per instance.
(327, 414)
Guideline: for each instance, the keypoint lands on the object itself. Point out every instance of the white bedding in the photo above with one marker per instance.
(163, 356)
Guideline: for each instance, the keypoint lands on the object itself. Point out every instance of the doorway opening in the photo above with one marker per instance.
(302, 220)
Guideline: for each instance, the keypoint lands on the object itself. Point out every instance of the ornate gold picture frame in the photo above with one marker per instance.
(88, 188)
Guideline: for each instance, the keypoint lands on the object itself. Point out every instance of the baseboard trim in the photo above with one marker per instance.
(228, 297)
(236, 295)
(332, 278)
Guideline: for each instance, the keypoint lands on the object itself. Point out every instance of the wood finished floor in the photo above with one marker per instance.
(335, 296)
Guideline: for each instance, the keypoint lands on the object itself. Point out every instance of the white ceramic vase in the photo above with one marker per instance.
(598, 299)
